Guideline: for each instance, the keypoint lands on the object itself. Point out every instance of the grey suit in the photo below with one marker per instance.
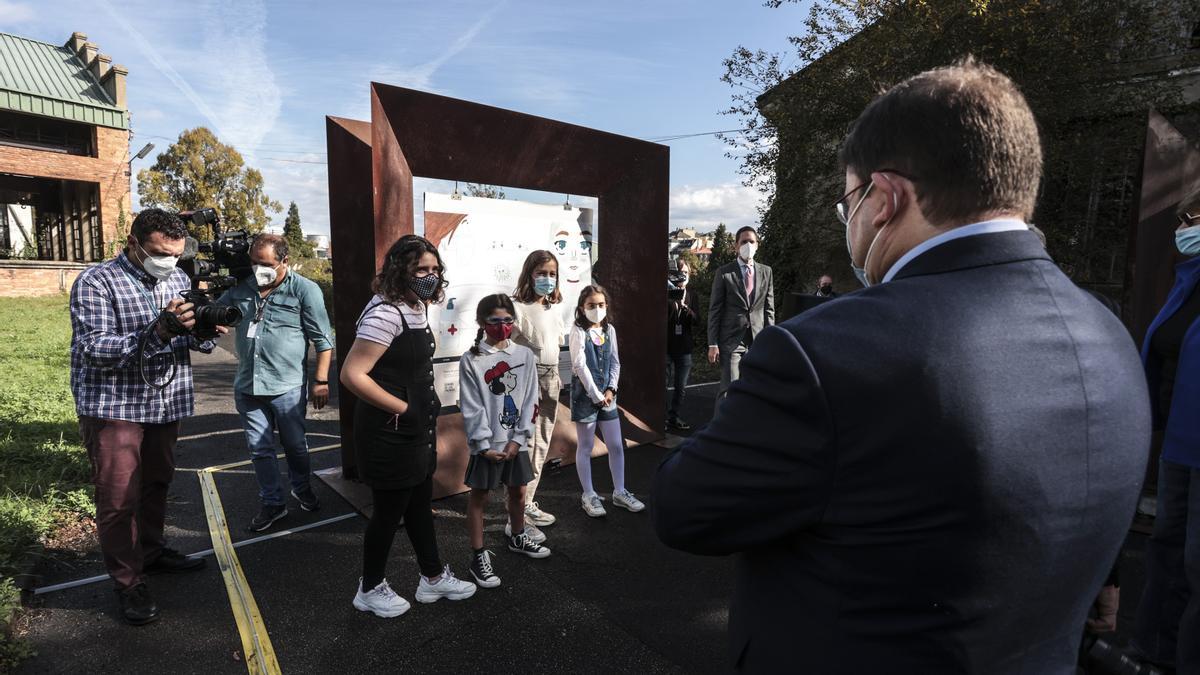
(733, 320)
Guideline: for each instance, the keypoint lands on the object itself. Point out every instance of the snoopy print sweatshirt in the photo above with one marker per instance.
(498, 395)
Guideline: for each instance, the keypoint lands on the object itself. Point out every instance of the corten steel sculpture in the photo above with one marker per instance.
(413, 133)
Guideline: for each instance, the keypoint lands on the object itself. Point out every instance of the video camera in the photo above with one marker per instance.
(674, 278)
(226, 263)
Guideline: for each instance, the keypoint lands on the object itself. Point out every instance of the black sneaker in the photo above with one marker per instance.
(521, 543)
(137, 607)
(308, 500)
(170, 560)
(679, 424)
(268, 515)
(481, 569)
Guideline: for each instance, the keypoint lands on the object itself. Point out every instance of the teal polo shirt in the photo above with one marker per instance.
(275, 360)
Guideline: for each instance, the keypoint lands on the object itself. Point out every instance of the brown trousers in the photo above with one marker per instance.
(132, 467)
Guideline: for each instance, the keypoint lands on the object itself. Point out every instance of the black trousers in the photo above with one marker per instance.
(413, 506)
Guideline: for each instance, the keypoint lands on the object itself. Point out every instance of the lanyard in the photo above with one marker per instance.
(148, 295)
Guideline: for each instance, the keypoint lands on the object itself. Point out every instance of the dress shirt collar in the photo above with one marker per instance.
(490, 349)
(985, 227)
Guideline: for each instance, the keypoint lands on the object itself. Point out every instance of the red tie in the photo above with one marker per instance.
(749, 282)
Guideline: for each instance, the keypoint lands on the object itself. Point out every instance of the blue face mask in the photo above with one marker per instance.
(1187, 240)
(544, 285)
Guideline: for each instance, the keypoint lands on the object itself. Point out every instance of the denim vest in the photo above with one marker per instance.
(599, 358)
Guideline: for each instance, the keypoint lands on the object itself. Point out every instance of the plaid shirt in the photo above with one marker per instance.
(113, 306)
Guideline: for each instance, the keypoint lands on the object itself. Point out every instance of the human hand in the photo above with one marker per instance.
(511, 450)
(222, 330)
(182, 313)
(494, 455)
(319, 395)
(609, 395)
(713, 353)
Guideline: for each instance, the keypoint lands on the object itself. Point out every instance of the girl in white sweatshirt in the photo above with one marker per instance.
(498, 395)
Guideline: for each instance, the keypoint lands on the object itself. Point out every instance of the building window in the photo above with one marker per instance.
(46, 134)
(1194, 42)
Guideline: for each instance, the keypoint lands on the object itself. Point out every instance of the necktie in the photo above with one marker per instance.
(749, 283)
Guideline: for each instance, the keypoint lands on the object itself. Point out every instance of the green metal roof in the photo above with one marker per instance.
(50, 80)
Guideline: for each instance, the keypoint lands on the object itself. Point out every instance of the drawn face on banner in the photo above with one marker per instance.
(571, 243)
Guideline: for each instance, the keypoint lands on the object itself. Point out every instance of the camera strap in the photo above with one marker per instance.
(155, 308)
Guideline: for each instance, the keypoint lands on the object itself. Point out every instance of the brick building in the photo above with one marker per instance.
(64, 161)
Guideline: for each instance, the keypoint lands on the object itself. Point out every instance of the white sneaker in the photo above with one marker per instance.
(538, 517)
(535, 535)
(447, 587)
(591, 505)
(626, 500)
(380, 601)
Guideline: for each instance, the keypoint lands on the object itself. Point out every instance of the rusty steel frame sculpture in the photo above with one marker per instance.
(413, 133)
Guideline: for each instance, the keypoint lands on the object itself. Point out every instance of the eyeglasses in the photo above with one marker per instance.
(499, 321)
(842, 205)
(1187, 219)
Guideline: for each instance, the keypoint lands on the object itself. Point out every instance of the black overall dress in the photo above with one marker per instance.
(402, 455)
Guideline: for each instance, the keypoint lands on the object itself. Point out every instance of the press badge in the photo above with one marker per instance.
(679, 329)
(252, 331)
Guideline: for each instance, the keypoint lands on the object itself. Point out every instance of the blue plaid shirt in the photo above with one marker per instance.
(113, 305)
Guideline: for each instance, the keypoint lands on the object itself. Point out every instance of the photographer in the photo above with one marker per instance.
(131, 377)
(680, 319)
(284, 312)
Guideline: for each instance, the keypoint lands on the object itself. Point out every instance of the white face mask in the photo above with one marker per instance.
(596, 314)
(160, 267)
(265, 276)
(747, 251)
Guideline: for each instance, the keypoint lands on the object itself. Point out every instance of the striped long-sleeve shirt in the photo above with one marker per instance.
(113, 305)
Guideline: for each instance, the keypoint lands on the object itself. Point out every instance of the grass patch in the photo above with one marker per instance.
(44, 470)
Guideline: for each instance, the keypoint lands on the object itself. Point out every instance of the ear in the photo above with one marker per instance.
(893, 193)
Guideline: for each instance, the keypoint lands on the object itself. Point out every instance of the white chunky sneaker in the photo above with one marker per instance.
(380, 601)
(592, 506)
(535, 535)
(481, 569)
(536, 516)
(447, 586)
(626, 500)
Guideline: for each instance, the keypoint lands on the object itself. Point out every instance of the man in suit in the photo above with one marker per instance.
(742, 303)
(932, 474)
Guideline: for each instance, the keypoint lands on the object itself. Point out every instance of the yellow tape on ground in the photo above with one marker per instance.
(256, 644)
(247, 462)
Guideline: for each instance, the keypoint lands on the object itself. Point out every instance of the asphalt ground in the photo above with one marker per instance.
(610, 597)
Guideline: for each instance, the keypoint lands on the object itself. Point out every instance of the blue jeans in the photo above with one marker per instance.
(679, 365)
(283, 413)
(1168, 617)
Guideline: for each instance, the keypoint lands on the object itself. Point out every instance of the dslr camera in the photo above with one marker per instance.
(214, 267)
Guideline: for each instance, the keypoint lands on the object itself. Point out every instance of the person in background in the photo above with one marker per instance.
(934, 473)
(597, 368)
(1167, 630)
(498, 394)
(131, 376)
(742, 304)
(681, 317)
(390, 370)
(825, 287)
(540, 328)
(284, 313)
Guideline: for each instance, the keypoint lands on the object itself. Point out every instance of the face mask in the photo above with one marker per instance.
(159, 266)
(827, 289)
(1187, 240)
(860, 273)
(425, 287)
(265, 276)
(747, 251)
(544, 285)
(498, 332)
(596, 315)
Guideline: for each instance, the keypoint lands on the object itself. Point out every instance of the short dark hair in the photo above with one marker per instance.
(150, 221)
(963, 134)
(274, 241)
(747, 228)
(399, 265)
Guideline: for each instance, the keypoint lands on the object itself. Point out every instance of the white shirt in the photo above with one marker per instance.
(579, 363)
(539, 327)
(985, 227)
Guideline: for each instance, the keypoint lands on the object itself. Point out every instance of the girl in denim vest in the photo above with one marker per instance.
(597, 369)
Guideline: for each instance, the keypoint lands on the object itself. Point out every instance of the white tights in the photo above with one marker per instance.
(610, 431)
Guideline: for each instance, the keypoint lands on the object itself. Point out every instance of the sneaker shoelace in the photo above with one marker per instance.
(485, 563)
(384, 591)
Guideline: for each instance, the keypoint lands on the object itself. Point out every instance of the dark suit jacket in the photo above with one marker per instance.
(729, 311)
(932, 475)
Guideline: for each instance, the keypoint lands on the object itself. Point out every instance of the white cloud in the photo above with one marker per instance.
(15, 12)
(421, 76)
(703, 207)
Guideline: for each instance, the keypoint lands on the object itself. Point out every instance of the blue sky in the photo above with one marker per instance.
(264, 74)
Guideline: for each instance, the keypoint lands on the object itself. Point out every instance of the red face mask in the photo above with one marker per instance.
(498, 332)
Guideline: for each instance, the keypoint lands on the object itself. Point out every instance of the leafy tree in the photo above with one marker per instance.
(488, 191)
(198, 171)
(294, 234)
(722, 248)
(695, 266)
(1076, 61)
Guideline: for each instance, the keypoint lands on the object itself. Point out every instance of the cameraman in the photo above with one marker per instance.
(132, 380)
(284, 312)
(680, 319)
